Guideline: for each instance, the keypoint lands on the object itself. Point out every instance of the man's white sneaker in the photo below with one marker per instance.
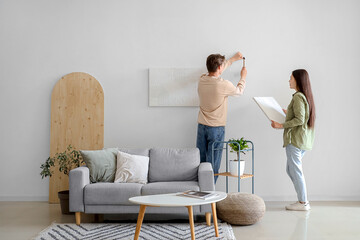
(298, 206)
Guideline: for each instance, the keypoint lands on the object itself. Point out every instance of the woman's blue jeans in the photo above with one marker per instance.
(295, 172)
(206, 136)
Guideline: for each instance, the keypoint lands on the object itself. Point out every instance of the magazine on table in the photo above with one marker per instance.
(198, 194)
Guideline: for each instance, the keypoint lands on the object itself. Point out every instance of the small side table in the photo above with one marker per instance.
(227, 174)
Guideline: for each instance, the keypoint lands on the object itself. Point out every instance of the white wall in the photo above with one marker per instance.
(118, 41)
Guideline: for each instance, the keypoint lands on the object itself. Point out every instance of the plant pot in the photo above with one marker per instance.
(233, 164)
(64, 202)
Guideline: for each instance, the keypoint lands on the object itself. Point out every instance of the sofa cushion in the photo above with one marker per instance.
(101, 164)
(111, 193)
(168, 187)
(136, 151)
(131, 168)
(168, 164)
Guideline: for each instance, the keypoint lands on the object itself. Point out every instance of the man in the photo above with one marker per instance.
(213, 94)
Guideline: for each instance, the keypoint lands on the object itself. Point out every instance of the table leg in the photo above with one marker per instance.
(213, 207)
(191, 220)
(139, 221)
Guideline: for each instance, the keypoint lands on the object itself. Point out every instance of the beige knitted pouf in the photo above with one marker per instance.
(241, 208)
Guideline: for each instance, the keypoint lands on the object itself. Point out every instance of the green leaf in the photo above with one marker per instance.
(66, 161)
(241, 142)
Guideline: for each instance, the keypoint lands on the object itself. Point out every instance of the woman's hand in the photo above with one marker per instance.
(276, 125)
(285, 111)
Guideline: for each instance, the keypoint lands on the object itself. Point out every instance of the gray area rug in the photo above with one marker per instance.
(149, 231)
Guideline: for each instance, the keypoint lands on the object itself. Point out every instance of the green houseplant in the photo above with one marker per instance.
(65, 161)
(233, 164)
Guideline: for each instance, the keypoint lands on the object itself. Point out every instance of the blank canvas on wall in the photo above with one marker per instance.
(178, 86)
(174, 86)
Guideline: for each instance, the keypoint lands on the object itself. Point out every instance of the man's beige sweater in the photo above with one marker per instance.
(213, 94)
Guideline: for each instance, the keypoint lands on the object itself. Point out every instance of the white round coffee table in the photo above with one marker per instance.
(175, 200)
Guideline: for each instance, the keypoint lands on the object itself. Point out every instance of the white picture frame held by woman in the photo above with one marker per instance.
(271, 108)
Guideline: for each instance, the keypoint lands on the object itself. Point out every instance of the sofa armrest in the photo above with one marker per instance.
(206, 177)
(78, 179)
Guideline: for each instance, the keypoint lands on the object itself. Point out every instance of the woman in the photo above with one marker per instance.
(298, 134)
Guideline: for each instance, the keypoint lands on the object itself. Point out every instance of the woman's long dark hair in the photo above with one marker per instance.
(303, 84)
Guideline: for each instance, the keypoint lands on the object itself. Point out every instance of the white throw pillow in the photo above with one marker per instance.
(131, 168)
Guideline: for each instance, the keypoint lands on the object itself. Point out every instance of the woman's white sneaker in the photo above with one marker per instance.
(298, 206)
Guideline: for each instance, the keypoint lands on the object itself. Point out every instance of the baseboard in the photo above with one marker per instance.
(271, 198)
(24, 198)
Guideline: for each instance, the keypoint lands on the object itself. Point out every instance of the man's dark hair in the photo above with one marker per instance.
(214, 61)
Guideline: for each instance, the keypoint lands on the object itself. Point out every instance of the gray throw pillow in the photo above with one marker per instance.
(101, 164)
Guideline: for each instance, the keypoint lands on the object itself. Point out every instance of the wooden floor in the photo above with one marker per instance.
(326, 220)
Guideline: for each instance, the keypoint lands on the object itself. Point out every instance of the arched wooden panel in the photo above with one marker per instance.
(77, 118)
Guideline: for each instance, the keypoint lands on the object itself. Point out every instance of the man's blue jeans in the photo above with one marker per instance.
(295, 171)
(206, 135)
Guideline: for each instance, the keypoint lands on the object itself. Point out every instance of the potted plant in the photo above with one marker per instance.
(233, 164)
(66, 161)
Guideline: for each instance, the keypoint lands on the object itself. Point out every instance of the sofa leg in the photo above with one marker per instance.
(78, 218)
(208, 218)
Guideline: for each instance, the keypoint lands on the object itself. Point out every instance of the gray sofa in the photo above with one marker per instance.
(170, 170)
